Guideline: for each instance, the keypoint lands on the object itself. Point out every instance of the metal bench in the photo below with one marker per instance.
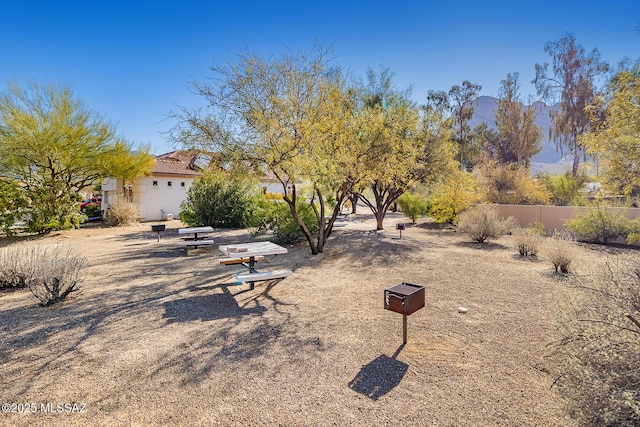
(196, 243)
(267, 275)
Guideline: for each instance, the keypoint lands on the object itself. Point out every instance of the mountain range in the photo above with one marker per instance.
(549, 158)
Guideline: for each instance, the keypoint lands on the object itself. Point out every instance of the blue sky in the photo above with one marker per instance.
(132, 60)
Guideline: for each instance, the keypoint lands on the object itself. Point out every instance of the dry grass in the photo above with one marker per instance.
(158, 337)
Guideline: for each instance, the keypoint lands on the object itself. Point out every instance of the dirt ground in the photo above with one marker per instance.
(159, 336)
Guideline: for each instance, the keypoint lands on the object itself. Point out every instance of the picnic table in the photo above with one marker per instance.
(196, 240)
(248, 254)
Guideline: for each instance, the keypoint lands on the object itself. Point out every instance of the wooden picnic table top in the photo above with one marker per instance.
(195, 230)
(252, 249)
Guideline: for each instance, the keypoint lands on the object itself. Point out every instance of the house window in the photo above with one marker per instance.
(169, 183)
(183, 184)
(155, 184)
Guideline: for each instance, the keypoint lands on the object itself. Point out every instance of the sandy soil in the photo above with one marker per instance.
(161, 337)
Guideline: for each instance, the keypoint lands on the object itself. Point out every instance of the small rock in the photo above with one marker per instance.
(462, 310)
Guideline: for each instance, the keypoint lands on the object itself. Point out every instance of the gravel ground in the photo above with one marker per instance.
(161, 337)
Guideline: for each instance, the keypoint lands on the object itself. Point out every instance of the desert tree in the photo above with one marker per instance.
(571, 81)
(56, 146)
(458, 104)
(518, 135)
(398, 146)
(615, 133)
(287, 115)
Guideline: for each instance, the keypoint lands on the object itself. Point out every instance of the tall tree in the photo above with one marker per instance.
(518, 135)
(614, 137)
(287, 115)
(398, 145)
(56, 146)
(458, 102)
(571, 81)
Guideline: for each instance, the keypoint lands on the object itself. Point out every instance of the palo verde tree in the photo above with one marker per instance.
(287, 115)
(55, 146)
(458, 105)
(518, 136)
(571, 81)
(397, 146)
(614, 137)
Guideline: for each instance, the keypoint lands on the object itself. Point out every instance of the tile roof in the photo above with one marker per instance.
(177, 163)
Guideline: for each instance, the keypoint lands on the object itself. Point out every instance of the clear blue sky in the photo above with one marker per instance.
(132, 60)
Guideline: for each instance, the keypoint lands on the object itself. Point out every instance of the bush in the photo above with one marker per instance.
(50, 272)
(600, 346)
(273, 216)
(564, 189)
(600, 225)
(49, 212)
(560, 251)
(413, 206)
(527, 241)
(93, 210)
(122, 213)
(13, 205)
(448, 199)
(217, 201)
(482, 223)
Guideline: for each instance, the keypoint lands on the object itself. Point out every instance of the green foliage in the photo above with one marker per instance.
(451, 197)
(482, 222)
(217, 201)
(56, 146)
(600, 225)
(13, 204)
(509, 184)
(600, 345)
(413, 206)
(276, 217)
(122, 212)
(93, 210)
(564, 189)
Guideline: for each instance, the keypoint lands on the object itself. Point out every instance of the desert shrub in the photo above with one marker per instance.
(93, 210)
(51, 272)
(600, 345)
(273, 216)
(122, 213)
(56, 272)
(560, 251)
(15, 267)
(600, 225)
(527, 241)
(510, 184)
(482, 222)
(219, 201)
(413, 206)
(53, 209)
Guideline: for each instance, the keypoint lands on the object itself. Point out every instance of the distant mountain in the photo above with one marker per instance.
(548, 159)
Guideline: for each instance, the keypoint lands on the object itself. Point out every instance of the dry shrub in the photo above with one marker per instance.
(122, 213)
(482, 222)
(600, 347)
(16, 268)
(560, 251)
(527, 241)
(50, 272)
(57, 271)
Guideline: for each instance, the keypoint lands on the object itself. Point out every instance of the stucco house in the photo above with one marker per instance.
(159, 195)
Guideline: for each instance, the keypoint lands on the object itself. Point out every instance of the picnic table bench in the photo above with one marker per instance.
(248, 254)
(192, 239)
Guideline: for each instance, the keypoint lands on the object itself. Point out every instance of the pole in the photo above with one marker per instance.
(404, 329)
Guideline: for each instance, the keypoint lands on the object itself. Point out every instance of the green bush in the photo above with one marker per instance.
(600, 225)
(275, 216)
(564, 189)
(600, 345)
(412, 206)
(53, 210)
(481, 223)
(93, 210)
(217, 201)
(13, 204)
(122, 213)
